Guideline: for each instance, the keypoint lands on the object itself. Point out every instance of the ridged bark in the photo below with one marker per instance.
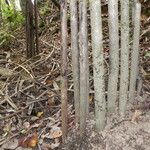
(124, 73)
(135, 51)
(98, 64)
(114, 54)
(64, 68)
(30, 49)
(84, 70)
(75, 56)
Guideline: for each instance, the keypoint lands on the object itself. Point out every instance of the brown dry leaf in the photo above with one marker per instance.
(36, 125)
(26, 125)
(143, 17)
(56, 144)
(29, 141)
(91, 98)
(50, 93)
(45, 146)
(55, 85)
(51, 102)
(56, 132)
(49, 82)
(10, 145)
(136, 115)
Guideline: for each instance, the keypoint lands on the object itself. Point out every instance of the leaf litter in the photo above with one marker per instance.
(30, 102)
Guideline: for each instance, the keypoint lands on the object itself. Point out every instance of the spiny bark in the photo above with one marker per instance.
(135, 51)
(124, 73)
(98, 64)
(64, 114)
(114, 54)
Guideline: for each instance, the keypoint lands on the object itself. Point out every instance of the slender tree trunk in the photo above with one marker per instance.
(98, 64)
(124, 73)
(30, 29)
(114, 54)
(135, 51)
(0, 13)
(36, 27)
(75, 56)
(64, 68)
(84, 70)
(133, 11)
(23, 6)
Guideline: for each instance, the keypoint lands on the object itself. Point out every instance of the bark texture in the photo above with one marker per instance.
(75, 56)
(98, 64)
(114, 54)
(84, 70)
(64, 88)
(30, 52)
(135, 51)
(124, 73)
(31, 29)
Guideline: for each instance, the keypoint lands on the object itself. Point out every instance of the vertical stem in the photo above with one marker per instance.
(64, 68)
(98, 64)
(135, 51)
(84, 70)
(124, 73)
(75, 56)
(27, 28)
(36, 27)
(133, 11)
(30, 29)
(114, 54)
(0, 13)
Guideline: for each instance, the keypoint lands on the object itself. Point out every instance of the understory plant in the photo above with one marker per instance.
(12, 20)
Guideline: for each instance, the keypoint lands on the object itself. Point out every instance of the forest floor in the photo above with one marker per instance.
(30, 104)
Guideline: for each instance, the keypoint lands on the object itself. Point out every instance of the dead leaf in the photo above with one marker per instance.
(11, 145)
(50, 93)
(51, 102)
(6, 72)
(136, 115)
(56, 132)
(34, 118)
(56, 144)
(7, 129)
(55, 85)
(91, 98)
(36, 125)
(45, 146)
(39, 114)
(29, 141)
(26, 125)
(49, 82)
